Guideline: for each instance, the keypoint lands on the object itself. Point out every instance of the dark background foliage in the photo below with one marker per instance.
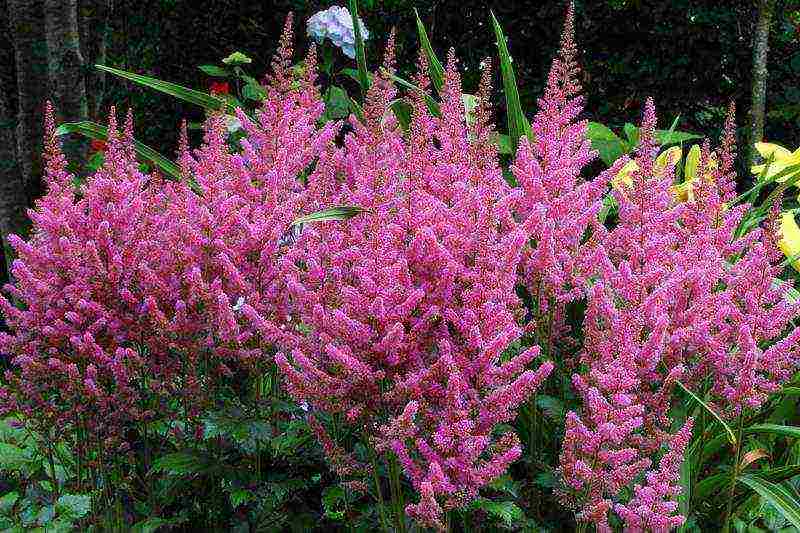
(691, 55)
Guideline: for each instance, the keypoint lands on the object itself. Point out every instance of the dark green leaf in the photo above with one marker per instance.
(7, 502)
(517, 123)
(214, 70)
(74, 506)
(435, 68)
(181, 463)
(777, 495)
(201, 99)
(506, 512)
(361, 58)
(333, 500)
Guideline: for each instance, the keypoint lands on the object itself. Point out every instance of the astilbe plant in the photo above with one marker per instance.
(627, 386)
(137, 296)
(679, 295)
(410, 305)
(547, 169)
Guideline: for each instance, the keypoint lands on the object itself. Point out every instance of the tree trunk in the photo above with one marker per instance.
(66, 69)
(93, 16)
(766, 9)
(30, 55)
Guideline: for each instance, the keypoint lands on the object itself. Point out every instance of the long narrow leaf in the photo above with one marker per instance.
(775, 429)
(436, 70)
(433, 104)
(728, 430)
(339, 212)
(92, 130)
(517, 123)
(361, 58)
(777, 495)
(201, 99)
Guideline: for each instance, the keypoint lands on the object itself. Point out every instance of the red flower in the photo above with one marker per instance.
(98, 145)
(220, 87)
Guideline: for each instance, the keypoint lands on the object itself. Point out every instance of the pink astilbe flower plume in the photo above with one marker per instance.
(409, 306)
(548, 171)
(626, 390)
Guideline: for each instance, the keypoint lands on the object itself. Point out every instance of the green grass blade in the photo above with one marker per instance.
(777, 495)
(517, 123)
(433, 104)
(92, 130)
(436, 70)
(201, 99)
(361, 58)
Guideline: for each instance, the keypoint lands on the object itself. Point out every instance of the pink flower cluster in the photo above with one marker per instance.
(677, 295)
(136, 295)
(547, 169)
(410, 306)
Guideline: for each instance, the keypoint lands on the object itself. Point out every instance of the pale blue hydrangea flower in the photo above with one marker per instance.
(336, 24)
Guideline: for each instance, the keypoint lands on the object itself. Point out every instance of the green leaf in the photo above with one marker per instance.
(237, 58)
(214, 70)
(517, 123)
(504, 144)
(433, 104)
(709, 486)
(201, 99)
(728, 430)
(254, 91)
(435, 68)
(402, 111)
(151, 525)
(339, 212)
(552, 407)
(666, 137)
(777, 495)
(333, 500)
(92, 130)
(12, 457)
(337, 103)
(361, 58)
(632, 133)
(507, 512)
(608, 145)
(506, 484)
(774, 429)
(180, 463)
(7, 502)
(685, 497)
(240, 497)
(74, 506)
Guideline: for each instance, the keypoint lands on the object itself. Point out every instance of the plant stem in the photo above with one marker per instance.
(736, 472)
(379, 493)
(397, 494)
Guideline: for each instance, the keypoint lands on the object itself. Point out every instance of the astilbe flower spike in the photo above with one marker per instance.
(548, 170)
(410, 305)
(627, 387)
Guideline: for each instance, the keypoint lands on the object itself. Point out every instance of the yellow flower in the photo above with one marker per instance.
(666, 158)
(683, 191)
(790, 238)
(782, 159)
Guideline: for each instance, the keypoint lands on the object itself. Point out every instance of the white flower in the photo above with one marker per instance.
(336, 24)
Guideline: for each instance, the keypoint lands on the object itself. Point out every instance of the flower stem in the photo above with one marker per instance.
(736, 472)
